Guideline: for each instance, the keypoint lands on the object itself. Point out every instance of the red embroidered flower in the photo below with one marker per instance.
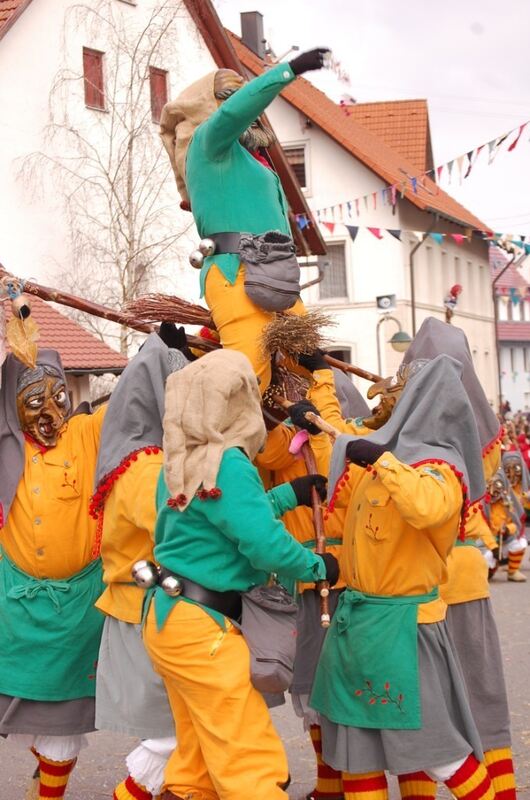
(387, 686)
(178, 501)
(372, 701)
(384, 701)
(358, 692)
(215, 493)
(202, 494)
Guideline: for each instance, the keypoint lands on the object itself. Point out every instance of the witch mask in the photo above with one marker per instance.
(390, 390)
(43, 404)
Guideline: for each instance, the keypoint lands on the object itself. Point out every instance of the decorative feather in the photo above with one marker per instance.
(22, 337)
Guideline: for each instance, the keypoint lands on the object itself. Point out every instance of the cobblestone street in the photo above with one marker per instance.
(102, 764)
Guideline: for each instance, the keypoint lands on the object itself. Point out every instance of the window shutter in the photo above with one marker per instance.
(296, 158)
(334, 283)
(93, 78)
(158, 87)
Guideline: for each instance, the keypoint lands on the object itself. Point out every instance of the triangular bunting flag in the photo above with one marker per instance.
(450, 169)
(439, 172)
(516, 140)
(341, 212)
(374, 198)
(438, 237)
(376, 232)
(357, 206)
(330, 226)
(491, 145)
(395, 233)
(527, 249)
(470, 165)
(365, 198)
(393, 189)
(348, 205)
(460, 162)
(353, 230)
(302, 221)
(459, 238)
(414, 182)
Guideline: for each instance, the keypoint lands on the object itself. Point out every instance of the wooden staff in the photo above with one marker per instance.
(310, 416)
(361, 373)
(80, 304)
(318, 519)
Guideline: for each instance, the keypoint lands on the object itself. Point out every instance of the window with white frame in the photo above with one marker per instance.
(526, 310)
(502, 308)
(516, 310)
(342, 354)
(526, 356)
(296, 156)
(334, 284)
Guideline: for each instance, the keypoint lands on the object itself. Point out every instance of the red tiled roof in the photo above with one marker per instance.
(514, 332)
(10, 11)
(403, 125)
(389, 165)
(79, 349)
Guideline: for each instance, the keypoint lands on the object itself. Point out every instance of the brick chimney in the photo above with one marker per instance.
(252, 32)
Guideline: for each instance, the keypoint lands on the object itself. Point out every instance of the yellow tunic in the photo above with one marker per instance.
(400, 526)
(284, 467)
(49, 533)
(128, 536)
(322, 394)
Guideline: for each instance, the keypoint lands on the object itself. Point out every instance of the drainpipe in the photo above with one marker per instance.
(412, 281)
(496, 323)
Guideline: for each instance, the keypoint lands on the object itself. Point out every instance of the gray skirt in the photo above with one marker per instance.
(130, 697)
(41, 718)
(448, 731)
(474, 633)
(309, 638)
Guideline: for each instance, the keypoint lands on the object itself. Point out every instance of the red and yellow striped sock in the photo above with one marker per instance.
(130, 790)
(329, 781)
(53, 777)
(499, 764)
(417, 786)
(366, 786)
(471, 781)
(514, 561)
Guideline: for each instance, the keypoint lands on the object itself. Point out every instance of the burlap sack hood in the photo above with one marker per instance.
(212, 405)
(179, 120)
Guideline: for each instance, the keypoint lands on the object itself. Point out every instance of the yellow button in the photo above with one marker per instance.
(36, 489)
(66, 463)
(385, 463)
(286, 74)
(37, 520)
(40, 551)
(35, 459)
(375, 502)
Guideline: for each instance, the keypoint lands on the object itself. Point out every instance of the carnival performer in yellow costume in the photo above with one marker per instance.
(50, 574)
(211, 501)
(406, 496)
(506, 519)
(470, 617)
(282, 466)
(217, 150)
(130, 697)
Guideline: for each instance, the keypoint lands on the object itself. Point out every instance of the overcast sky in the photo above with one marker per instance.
(469, 58)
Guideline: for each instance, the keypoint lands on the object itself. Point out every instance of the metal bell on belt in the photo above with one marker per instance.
(207, 247)
(196, 259)
(171, 585)
(144, 574)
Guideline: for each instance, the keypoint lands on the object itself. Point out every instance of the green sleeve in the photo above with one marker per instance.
(282, 498)
(245, 516)
(235, 114)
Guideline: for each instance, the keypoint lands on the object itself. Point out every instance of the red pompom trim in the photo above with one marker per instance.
(98, 499)
(178, 501)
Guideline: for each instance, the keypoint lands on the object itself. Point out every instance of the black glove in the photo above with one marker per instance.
(363, 452)
(176, 339)
(297, 413)
(302, 488)
(313, 361)
(332, 568)
(312, 59)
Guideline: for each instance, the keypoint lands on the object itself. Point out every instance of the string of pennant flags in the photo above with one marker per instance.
(388, 195)
(459, 238)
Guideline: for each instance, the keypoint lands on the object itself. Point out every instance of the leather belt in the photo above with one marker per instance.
(225, 242)
(226, 603)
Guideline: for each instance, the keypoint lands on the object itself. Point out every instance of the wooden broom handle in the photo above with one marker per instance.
(320, 536)
(320, 423)
(96, 310)
(361, 373)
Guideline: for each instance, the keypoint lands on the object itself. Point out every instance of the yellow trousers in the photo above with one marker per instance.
(239, 321)
(227, 746)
